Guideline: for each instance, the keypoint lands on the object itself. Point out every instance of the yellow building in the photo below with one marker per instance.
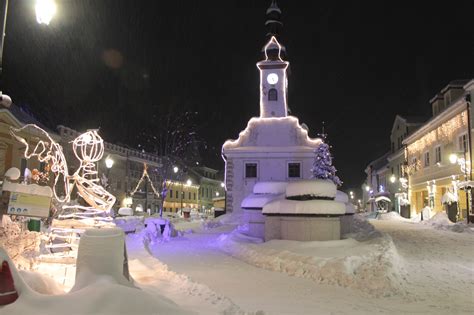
(436, 153)
(181, 195)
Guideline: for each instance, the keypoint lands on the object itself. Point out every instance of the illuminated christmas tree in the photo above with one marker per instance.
(322, 165)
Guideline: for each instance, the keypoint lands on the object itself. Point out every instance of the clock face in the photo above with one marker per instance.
(272, 78)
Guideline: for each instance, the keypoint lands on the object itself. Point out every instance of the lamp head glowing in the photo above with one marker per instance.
(222, 185)
(45, 10)
(175, 169)
(393, 179)
(109, 162)
(189, 182)
(453, 158)
(367, 188)
(217, 194)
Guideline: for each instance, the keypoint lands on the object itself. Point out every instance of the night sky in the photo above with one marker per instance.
(114, 64)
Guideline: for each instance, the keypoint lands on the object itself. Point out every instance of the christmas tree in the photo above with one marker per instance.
(322, 165)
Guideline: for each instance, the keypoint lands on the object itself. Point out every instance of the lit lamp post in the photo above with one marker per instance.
(45, 11)
(455, 159)
(108, 164)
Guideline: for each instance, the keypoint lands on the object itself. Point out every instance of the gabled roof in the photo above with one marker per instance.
(408, 120)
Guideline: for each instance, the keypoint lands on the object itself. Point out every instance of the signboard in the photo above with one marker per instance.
(29, 205)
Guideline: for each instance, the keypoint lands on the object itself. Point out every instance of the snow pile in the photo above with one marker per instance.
(102, 296)
(392, 216)
(372, 266)
(41, 283)
(129, 223)
(361, 229)
(312, 188)
(153, 276)
(23, 246)
(440, 221)
(304, 207)
(275, 188)
(257, 201)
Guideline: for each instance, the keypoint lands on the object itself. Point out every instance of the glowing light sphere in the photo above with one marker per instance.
(453, 158)
(189, 182)
(109, 162)
(175, 169)
(393, 179)
(45, 11)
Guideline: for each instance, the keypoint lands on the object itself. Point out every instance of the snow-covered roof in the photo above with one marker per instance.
(276, 134)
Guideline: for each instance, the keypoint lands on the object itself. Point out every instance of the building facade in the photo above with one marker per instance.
(438, 155)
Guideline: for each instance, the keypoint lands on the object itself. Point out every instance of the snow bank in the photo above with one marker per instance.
(304, 207)
(259, 200)
(372, 266)
(392, 216)
(100, 296)
(41, 283)
(270, 188)
(129, 223)
(440, 221)
(313, 187)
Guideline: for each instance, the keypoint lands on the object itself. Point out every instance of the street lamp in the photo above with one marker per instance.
(453, 158)
(108, 163)
(175, 169)
(45, 10)
(393, 179)
(367, 188)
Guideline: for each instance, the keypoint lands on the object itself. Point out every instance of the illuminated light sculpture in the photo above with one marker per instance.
(88, 149)
(145, 175)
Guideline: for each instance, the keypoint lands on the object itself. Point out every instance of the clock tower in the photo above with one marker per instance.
(273, 81)
(273, 69)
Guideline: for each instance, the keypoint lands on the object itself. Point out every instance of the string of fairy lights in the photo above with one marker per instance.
(440, 135)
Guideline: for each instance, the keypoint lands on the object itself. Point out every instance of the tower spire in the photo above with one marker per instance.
(273, 22)
(274, 27)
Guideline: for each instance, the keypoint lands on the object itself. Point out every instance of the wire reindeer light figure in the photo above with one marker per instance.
(88, 149)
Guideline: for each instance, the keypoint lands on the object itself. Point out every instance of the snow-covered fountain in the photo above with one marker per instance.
(309, 212)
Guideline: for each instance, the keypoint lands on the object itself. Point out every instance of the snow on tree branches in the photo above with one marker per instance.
(322, 165)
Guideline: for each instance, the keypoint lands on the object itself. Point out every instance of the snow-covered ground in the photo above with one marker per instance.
(212, 268)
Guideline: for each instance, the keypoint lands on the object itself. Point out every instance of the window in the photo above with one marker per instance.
(427, 159)
(294, 170)
(250, 170)
(171, 193)
(272, 95)
(176, 194)
(189, 195)
(462, 143)
(438, 154)
(194, 196)
(393, 147)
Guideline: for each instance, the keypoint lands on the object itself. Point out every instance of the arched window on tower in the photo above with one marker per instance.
(272, 95)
